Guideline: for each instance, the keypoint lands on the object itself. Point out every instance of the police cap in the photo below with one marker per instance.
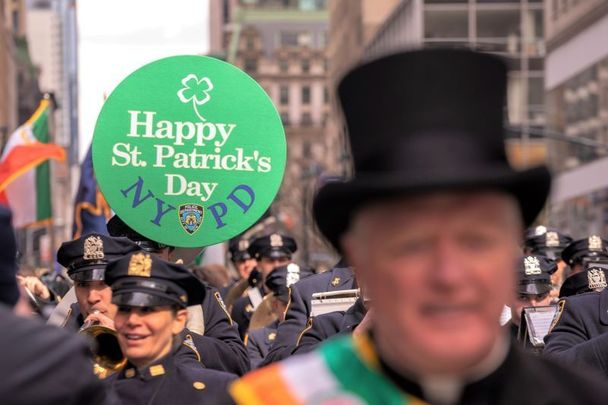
(274, 246)
(86, 258)
(593, 278)
(145, 280)
(239, 249)
(281, 278)
(534, 274)
(549, 243)
(593, 247)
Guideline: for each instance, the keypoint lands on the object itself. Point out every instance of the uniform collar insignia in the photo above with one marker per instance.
(335, 281)
(157, 370)
(140, 265)
(551, 239)
(272, 336)
(130, 373)
(596, 279)
(531, 266)
(594, 243)
(276, 240)
(93, 248)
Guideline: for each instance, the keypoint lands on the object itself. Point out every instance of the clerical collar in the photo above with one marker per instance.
(447, 390)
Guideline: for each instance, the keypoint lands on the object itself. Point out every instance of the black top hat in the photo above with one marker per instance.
(422, 121)
(9, 291)
(86, 258)
(145, 280)
(593, 278)
(274, 246)
(592, 248)
(239, 249)
(549, 243)
(534, 274)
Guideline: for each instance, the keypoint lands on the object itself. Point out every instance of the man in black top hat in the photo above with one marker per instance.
(86, 259)
(269, 251)
(163, 362)
(223, 348)
(431, 222)
(533, 288)
(40, 364)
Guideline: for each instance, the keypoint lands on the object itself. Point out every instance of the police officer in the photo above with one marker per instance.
(243, 262)
(270, 251)
(223, 348)
(593, 278)
(277, 283)
(340, 277)
(533, 288)
(163, 365)
(40, 364)
(85, 260)
(581, 251)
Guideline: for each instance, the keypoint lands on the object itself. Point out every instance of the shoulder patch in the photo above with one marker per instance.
(220, 301)
(558, 314)
(189, 343)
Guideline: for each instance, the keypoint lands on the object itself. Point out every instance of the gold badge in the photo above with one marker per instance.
(272, 336)
(276, 240)
(130, 373)
(335, 281)
(140, 265)
(597, 279)
(93, 248)
(243, 244)
(198, 385)
(531, 266)
(157, 370)
(595, 243)
(551, 239)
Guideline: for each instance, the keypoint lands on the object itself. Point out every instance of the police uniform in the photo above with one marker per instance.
(593, 278)
(142, 280)
(325, 326)
(222, 348)
(274, 245)
(259, 342)
(338, 278)
(238, 249)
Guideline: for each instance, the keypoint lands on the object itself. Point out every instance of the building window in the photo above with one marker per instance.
(250, 44)
(284, 65)
(295, 38)
(441, 24)
(305, 94)
(306, 120)
(251, 65)
(284, 95)
(285, 119)
(305, 66)
(325, 95)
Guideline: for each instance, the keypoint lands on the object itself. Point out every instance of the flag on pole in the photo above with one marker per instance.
(91, 211)
(25, 190)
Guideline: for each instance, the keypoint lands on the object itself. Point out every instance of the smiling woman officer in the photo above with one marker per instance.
(163, 363)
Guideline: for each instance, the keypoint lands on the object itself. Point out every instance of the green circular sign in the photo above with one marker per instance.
(189, 151)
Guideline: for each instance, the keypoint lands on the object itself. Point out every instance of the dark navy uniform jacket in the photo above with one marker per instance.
(242, 310)
(177, 379)
(44, 365)
(221, 347)
(580, 331)
(324, 326)
(259, 342)
(298, 310)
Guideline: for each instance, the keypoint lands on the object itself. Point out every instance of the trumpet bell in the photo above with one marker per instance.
(107, 355)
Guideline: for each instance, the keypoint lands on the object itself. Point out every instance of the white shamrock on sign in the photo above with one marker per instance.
(195, 90)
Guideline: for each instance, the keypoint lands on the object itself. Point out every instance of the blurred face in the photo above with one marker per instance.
(522, 301)
(146, 334)
(244, 267)
(267, 264)
(94, 296)
(437, 269)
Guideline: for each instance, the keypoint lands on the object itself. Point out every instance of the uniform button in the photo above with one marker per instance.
(198, 385)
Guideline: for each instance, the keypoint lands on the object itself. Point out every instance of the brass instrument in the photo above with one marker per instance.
(107, 355)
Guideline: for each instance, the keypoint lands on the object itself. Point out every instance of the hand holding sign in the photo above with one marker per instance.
(189, 151)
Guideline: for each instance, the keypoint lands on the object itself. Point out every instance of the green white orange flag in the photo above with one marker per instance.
(24, 170)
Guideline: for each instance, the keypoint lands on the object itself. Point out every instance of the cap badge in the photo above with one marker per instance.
(243, 244)
(597, 279)
(539, 230)
(140, 265)
(335, 281)
(93, 248)
(551, 239)
(595, 243)
(531, 266)
(293, 274)
(276, 240)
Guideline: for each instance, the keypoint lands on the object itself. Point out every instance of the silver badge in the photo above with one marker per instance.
(539, 230)
(276, 240)
(531, 266)
(93, 248)
(551, 239)
(293, 274)
(243, 244)
(594, 243)
(597, 279)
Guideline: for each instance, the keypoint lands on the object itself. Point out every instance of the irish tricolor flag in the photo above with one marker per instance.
(24, 170)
